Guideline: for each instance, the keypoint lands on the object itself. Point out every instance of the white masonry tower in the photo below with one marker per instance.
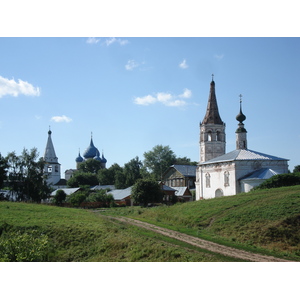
(52, 167)
(212, 129)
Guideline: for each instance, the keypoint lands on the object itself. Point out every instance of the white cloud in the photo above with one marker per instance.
(166, 99)
(146, 100)
(186, 94)
(183, 65)
(131, 64)
(113, 40)
(92, 40)
(13, 88)
(62, 118)
(219, 56)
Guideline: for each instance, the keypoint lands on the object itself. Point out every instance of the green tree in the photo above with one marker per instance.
(90, 166)
(296, 169)
(146, 191)
(82, 178)
(158, 160)
(3, 170)
(26, 176)
(132, 171)
(59, 197)
(185, 161)
(108, 176)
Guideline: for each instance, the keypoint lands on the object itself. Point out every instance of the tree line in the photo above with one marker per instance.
(23, 175)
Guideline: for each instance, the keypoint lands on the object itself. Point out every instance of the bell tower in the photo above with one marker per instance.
(52, 166)
(212, 129)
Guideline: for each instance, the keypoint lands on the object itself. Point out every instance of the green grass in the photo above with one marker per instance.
(265, 221)
(35, 232)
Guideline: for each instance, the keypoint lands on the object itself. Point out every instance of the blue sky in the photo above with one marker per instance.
(134, 93)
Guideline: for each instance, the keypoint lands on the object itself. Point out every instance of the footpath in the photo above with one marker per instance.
(198, 242)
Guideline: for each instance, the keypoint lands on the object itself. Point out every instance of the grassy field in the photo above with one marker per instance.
(34, 232)
(265, 221)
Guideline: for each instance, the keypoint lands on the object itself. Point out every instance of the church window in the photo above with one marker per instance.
(56, 169)
(226, 178)
(207, 180)
(218, 137)
(209, 136)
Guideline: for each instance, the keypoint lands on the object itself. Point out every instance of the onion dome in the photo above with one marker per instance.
(241, 117)
(91, 151)
(79, 158)
(104, 159)
(97, 157)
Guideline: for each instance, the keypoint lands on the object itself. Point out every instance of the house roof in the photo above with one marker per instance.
(263, 173)
(185, 170)
(121, 194)
(242, 154)
(103, 187)
(68, 191)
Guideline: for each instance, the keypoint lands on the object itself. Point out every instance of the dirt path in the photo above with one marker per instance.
(211, 246)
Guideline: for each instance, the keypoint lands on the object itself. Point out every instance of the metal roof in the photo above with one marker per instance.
(263, 173)
(242, 154)
(186, 170)
(121, 194)
(68, 191)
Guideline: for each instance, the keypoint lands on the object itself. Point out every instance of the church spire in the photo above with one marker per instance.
(241, 132)
(212, 129)
(212, 115)
(49, 155)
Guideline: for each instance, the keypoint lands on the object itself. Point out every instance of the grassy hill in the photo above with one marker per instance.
(266, 221)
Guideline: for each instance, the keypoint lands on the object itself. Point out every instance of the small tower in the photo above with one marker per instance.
(212, 129)
(52, 167)
(241, 132)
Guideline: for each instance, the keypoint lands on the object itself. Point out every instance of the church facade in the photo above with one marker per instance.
(223, 174)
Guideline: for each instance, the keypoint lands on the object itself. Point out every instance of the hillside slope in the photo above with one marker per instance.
(267, 220)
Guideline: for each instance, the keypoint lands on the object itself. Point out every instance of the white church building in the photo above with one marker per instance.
(224, 174)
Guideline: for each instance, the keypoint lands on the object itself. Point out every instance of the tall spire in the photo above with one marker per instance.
(49, 155)
(212, 115)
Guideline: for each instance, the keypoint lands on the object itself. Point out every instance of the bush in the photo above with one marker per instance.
(23, 247)
(280, 180)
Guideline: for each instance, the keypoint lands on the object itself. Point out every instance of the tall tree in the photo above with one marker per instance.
(3, 169)
(90, 166)
(158, 160)
(132, 171)
(26, 176)
(146, 191)
(82, 178)
(108, 176)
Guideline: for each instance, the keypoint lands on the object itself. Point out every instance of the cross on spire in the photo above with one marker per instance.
(240, 95)
(212, 75)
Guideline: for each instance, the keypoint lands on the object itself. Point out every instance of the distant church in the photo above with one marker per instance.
(52, 166)
(224, 174)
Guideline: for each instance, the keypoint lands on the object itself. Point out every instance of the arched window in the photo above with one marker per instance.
(209, 136)
(56, 168)
(226, 178)
(218, 136)
(207, 180)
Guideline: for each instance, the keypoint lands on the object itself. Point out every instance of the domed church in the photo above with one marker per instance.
(224, 174)
(91, 152)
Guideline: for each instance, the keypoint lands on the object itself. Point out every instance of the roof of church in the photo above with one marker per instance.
(212, 115)
(49, 155)
(242, 154)
(91, 151)
(263, 173)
